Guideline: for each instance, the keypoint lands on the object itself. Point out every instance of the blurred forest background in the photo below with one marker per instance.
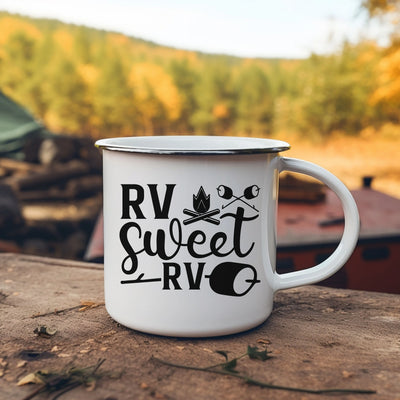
(340, 110)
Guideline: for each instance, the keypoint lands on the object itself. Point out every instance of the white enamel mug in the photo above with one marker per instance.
(190, 232)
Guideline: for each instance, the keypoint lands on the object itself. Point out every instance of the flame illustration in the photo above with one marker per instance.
(201, 202)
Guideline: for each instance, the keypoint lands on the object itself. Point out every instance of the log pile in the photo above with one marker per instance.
(49, 202)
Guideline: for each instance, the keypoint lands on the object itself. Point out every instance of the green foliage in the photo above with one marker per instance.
(336, 92)
(83, 80)
(66, 96)
(185, 78)
(215, 98)
(113, 102)
(255, 102)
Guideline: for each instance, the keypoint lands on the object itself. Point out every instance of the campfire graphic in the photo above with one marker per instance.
(251, 192)
(201, 206)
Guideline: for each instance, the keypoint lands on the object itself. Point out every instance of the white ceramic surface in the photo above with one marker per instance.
(190, 232)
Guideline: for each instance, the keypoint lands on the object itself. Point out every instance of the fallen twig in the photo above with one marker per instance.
(228, 369)
(84, 305)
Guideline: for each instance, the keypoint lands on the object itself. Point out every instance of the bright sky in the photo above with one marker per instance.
(253, 28)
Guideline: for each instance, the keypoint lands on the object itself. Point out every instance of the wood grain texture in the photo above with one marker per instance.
(319, 338)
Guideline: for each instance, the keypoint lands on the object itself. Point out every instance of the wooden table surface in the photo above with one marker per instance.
(319, 338)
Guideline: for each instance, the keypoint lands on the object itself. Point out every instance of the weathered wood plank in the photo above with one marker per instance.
(319, 338)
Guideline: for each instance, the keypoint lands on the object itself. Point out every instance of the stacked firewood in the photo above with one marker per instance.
(49, 201)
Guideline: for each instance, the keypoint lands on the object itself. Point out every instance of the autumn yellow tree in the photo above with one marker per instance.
(380, 7)
(387, 94)
(19, 42)
(81, 80)
(157, 99)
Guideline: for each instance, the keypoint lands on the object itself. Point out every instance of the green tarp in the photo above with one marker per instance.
(16, 127)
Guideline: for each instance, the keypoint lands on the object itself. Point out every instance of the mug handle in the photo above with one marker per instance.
(350, 234)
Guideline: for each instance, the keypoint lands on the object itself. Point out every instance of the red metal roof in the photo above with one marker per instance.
(301, 223)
